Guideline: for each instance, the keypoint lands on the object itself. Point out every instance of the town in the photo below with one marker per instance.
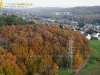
(62, 17)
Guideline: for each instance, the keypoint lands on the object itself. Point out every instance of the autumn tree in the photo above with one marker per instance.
(8, 65)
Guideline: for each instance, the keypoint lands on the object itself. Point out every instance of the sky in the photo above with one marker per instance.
(57, 3)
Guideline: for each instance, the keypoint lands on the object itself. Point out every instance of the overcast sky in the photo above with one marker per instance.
(57, 3)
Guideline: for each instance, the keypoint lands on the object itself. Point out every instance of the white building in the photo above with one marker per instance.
(81, 32)
(88, 37)
(96, 35)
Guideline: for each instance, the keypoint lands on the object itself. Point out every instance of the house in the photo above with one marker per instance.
(98, 37)
(95, 35)
(82, 32)
(88, 37)
(73, 28)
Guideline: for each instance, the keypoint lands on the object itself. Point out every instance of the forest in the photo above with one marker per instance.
(29, 49)
(13, 20)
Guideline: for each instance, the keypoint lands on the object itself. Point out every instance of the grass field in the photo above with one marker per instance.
(95, 56)
(65, 73)
(93, 67)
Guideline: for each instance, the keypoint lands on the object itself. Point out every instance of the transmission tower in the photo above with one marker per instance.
(70, 55)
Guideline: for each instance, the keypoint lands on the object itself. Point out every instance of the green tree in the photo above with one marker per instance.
(90, 31)
(31, 22)
(11, 20)
(2, 22)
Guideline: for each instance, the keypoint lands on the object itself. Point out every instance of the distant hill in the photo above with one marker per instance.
(74, 10)
(83, 10)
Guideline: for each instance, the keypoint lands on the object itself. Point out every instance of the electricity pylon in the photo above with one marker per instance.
(70, 55)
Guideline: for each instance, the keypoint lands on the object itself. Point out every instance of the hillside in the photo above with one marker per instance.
(82, 10)
(93, 67)
(31, 49)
